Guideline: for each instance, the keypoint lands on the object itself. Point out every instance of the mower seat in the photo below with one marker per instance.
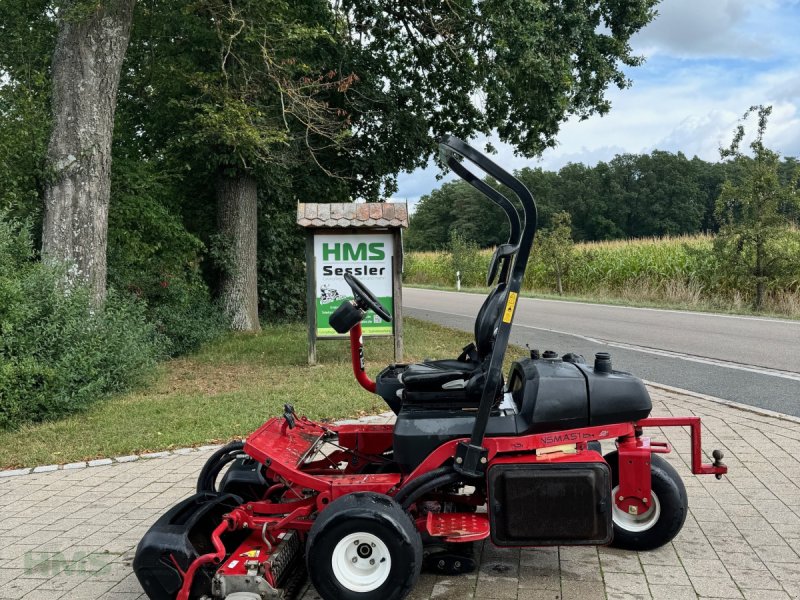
(433, 385)
(448, 383)
(465, 372)
(436, 376)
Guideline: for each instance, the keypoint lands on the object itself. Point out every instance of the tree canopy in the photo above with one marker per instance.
(313, 99)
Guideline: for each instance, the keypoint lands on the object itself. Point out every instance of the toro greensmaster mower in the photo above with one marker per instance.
(364, 508)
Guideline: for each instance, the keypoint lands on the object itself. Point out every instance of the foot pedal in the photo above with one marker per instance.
(458, 527)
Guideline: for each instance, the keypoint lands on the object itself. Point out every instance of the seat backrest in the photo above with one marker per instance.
(488, 320)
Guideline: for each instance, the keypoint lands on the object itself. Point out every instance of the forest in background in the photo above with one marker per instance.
(631, 196)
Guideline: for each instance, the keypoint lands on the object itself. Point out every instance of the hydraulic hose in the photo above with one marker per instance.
(431, 485)
(421, 480)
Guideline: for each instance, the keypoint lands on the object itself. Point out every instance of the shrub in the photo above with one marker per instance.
(58, 354)
(183, 313)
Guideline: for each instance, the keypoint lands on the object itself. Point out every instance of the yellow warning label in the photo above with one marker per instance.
(512, 302)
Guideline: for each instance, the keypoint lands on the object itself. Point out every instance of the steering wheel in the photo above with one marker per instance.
(366, 299)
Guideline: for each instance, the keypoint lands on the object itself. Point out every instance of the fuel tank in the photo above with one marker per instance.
(551, 395)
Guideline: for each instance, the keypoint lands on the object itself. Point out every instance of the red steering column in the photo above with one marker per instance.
(357, 355)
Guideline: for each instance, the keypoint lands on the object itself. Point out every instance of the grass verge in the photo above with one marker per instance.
(224, 391)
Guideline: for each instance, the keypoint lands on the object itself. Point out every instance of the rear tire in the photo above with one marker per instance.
(364, 546)
(665, 518)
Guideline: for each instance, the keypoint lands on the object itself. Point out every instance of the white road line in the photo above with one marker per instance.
(663, 310)
(646, 350)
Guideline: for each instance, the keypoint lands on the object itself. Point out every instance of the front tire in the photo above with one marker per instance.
(667, 513)
(364, 546)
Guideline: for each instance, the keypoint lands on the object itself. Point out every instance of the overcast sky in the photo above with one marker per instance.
(707, 62)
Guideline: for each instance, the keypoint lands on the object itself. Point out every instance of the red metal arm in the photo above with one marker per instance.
(357, 354)
(698, 468)
(215, 557)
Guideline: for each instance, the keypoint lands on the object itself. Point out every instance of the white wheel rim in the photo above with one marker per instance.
(636, 523)
(361, 562)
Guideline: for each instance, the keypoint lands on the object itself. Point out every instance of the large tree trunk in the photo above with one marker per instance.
(237, 201)
(86, 72)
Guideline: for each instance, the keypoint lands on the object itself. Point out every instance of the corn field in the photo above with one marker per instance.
(671, 271)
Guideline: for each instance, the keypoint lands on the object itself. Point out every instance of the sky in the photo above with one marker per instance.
(707, 62)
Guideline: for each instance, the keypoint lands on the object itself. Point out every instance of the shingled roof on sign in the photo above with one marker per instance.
(349, 214)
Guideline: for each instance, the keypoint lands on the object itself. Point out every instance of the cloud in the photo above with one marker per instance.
(692, 28)
(701, 76)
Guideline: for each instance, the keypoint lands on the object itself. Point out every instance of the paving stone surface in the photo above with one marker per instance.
(71, 534)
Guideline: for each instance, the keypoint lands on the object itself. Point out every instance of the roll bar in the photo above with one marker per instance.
(492, 194)
(471, 457)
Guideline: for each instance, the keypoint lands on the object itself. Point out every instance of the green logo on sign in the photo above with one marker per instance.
(346, 251)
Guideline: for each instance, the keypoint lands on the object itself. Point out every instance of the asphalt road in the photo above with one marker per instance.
(751, 360)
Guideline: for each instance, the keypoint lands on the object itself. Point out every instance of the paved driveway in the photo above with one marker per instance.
(71, 534)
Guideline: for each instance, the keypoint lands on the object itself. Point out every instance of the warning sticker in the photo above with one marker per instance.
(512, 302)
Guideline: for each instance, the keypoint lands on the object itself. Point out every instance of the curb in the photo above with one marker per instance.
(764, 412)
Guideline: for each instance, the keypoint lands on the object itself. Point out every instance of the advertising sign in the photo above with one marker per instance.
(367, 256)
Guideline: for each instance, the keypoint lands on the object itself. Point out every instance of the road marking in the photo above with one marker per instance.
(656, 351)
(619, 306)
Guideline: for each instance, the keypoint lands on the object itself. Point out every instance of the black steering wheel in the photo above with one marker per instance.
(366, 299)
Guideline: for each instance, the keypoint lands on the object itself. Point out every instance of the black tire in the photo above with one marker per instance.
(378, 519)
(669, 497)
(207, 480)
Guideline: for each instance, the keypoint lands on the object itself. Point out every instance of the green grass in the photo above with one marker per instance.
(224, 391)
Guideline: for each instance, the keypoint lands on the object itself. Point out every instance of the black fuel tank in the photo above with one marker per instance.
(553, 395)
(615, 397)
(550, 395)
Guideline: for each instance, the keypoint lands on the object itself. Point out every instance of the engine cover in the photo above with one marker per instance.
(551, 503)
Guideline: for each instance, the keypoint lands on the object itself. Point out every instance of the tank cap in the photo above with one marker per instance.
(602, 362)
(550, 354)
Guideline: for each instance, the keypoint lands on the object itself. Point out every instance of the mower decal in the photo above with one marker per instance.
(512, 302)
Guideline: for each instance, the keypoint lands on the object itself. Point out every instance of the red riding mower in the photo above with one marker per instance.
(364, 508)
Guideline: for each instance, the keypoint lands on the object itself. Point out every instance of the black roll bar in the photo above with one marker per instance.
(471, 457)
(493, 195)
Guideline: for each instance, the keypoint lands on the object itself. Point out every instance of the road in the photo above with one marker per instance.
(751, 360)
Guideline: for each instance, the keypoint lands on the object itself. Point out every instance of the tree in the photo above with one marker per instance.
(91, 45)
(232, 93)
(556, 248)
(752, 244)
(27, 37)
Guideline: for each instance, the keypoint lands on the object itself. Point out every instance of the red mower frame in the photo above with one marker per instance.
(309, 467)
(285, 449)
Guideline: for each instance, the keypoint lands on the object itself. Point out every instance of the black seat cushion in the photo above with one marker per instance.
(453, 364)
(434, 376)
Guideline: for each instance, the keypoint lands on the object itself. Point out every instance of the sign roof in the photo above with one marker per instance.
(352, 214)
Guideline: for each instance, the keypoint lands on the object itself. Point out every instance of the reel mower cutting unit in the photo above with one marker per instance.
(364, 508)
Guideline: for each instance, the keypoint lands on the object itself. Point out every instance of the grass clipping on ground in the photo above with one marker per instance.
(225, 391)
